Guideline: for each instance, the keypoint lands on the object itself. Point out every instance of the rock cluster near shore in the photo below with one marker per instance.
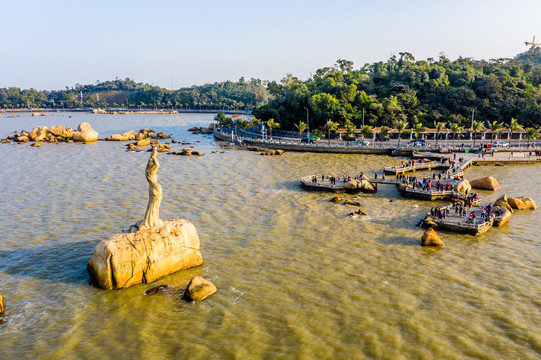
(202, 130)
(145, 255)
(522, 203)
(58, 133)
(139, 136)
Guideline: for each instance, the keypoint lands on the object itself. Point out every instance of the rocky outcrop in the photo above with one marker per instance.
(502, 201)
(61, 131)
(198, 289)
(362, 185)
(85, 133)
(143, 142)
(431, 238)
(145, 255)
(522, 203)
(117, 137)
(502, 215)
(22, 139)
(486, 183)
(38, 133)
(463, 186)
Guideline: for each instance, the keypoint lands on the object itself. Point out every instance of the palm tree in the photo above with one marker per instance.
(301, 126)
(476, 127)
(401, 126)
(455, 129)
(272, 125)
(330, 126)
(384, 132)
(494, 126)
(254, 122)
(350, 127)
(317, 133)
(439, 127)
(366, 130)
(419, 128)
(531, 132)
(513, 127)
(243, 124)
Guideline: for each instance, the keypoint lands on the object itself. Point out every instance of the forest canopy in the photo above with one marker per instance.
(403, 89)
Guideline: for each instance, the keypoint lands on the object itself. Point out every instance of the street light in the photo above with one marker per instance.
(307, 124)
(471, 130)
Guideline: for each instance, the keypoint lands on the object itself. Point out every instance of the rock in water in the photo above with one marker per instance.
(155, 289)
(146, 255)
(431, 238)
(1, 305)
(38, 133)
(85, 133)
(502, 201)
(61, 131)
(336, 199)
(199, 289)
(522, 203)
(486, 183)
(463, 186)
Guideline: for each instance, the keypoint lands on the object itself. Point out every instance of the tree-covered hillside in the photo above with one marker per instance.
(403, 89)
(121, 93)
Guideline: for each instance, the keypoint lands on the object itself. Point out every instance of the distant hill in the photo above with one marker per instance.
(532, 56)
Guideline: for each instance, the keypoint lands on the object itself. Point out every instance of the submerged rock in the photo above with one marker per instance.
(351, 202)
(522, 203)
(199, 289)
(145, 255)
(155, 289)
(431, 238)
(336, 199)
(486, 183)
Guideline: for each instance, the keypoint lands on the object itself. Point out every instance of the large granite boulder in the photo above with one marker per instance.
(463, 186)
(502, 215)
(486, 183)
(363, 185)
(22, 139)
(522, 203)
(145, 255)
(431, 238)
(143, 142)
(38, 133)
(502, 201)
(199, 289)
(131, 135)
(61, 131)
(85, 133)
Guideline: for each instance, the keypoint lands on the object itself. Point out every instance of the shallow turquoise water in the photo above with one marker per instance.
(296, 277)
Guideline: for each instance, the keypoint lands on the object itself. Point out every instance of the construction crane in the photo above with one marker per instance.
(533, 43)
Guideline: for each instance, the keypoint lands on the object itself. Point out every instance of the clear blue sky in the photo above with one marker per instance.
(53, 44)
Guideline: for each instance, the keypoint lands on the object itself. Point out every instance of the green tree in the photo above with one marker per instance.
(350, 127)
(439, 128)
(419, 129)
(330, 126)
(531, 133)
(301, 126)
(272, 125)
(514, 126)
(254, 122)
(243, 124)
(456, 128)
(476, 127)
(494, 126)
(401, 126)
(366, 130)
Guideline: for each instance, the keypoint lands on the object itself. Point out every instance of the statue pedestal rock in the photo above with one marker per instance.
(152, 249)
